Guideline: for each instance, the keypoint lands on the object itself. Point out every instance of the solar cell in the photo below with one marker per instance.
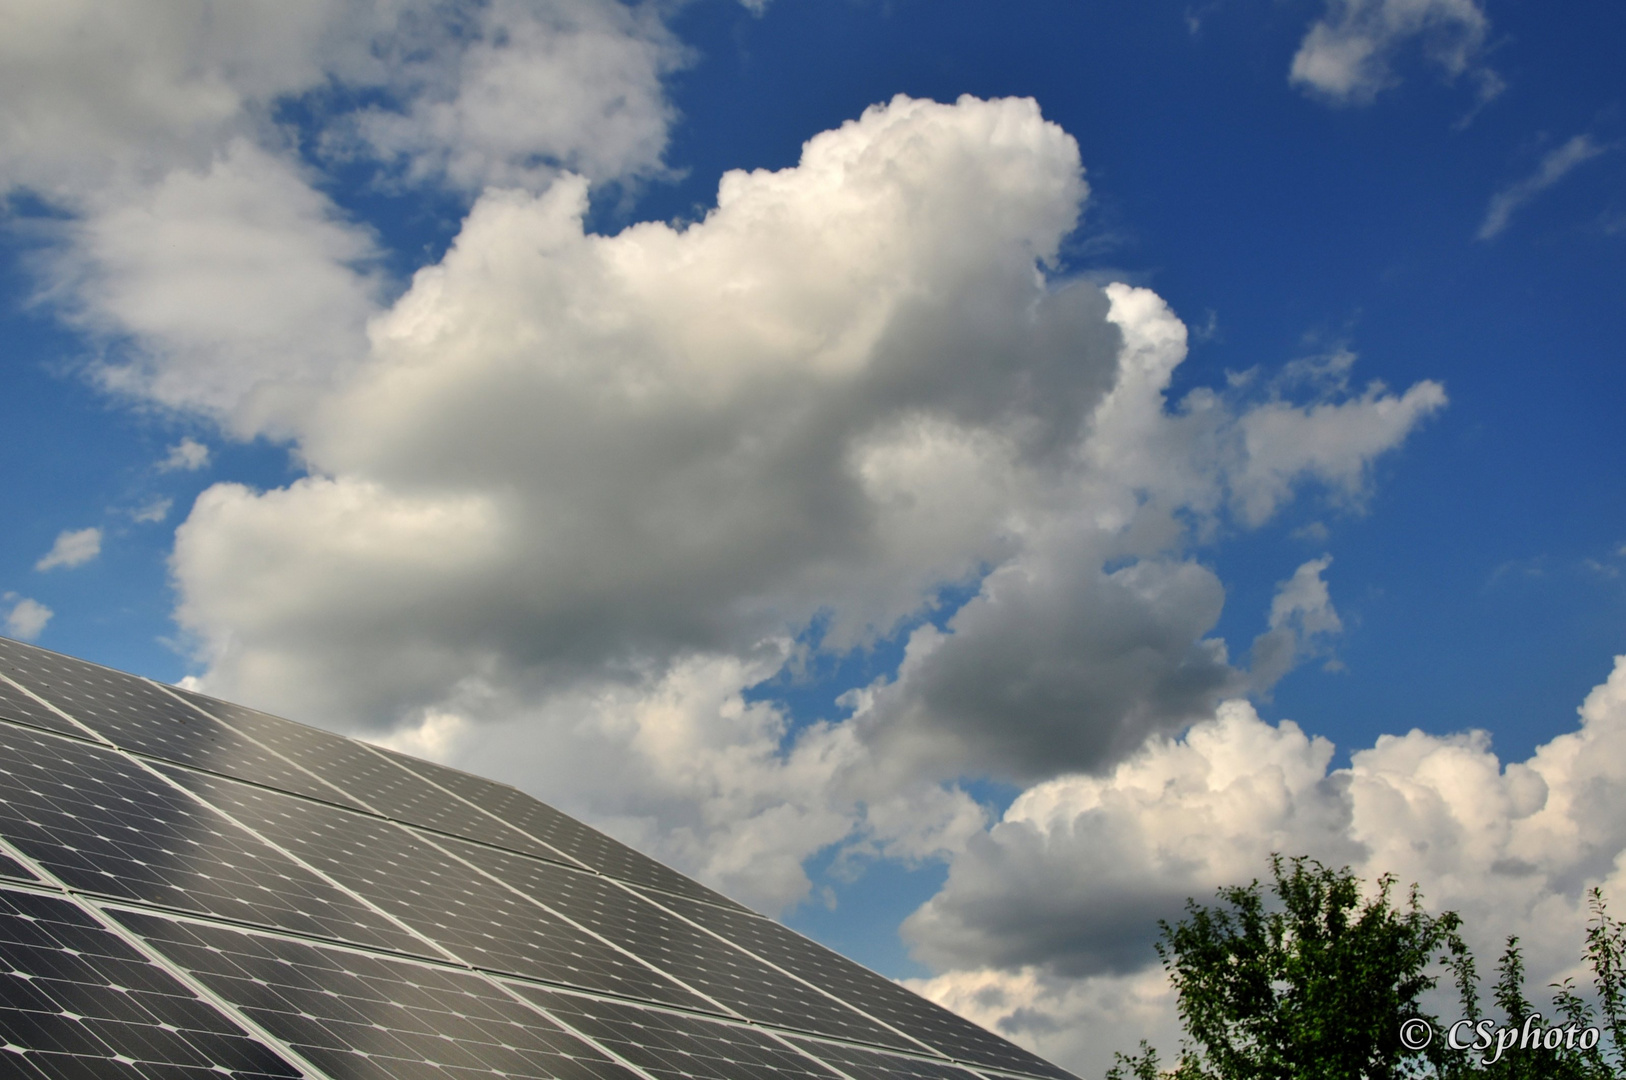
(861, 1064)
(79, 1001)
(101, 823)
(670, 1046)
(477, 919)
(580, 843)
(720, 971)
(138, 715)
(878, 996)
(11, 868)
(372, 776)
(18, 706)
(363, 1017)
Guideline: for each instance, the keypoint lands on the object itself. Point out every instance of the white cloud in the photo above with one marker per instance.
(93, 100)
(1333, 442)
(1554, 167)
(434, 737)
(511, 93)
(96, 99)
(237, 287)
(73, 547)
(1301, 619)
(582, 491)
(27, 618)
(1077, 1022)
(153, 511)
(1347, 56)
(1053, 911)
(188, 454)
(1076, 875)
(199, 251)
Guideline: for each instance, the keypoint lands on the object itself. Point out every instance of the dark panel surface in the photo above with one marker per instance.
(481, 922)
(79, 1001)
(11, 868)
(581, 843)
(18, 706)
(339, 893)
(136, 715)
(878, 996)
(371, 1018)
(714, 968)
(102, 824)
(861, 1064)
(673, 1047)
(373, 777)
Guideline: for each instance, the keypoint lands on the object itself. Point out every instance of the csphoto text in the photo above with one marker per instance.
(1495, 1039)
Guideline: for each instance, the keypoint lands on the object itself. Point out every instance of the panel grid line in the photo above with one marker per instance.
(414, 834)
(80, 730)
(362, 900)
(562, 917)
(170, 692)
(931, 1050)
(123, 1006)
(169, 783)
(186, 979)
(487, 979)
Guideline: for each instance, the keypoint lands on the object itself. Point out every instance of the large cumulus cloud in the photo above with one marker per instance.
(581, 492)
(1044, 928)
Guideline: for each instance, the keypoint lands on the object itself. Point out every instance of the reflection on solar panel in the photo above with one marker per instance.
(16, 705)
(579, 844)
(195, 889)
(864, 1064)
(881, 998)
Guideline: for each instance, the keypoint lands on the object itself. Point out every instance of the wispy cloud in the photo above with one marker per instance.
(1554, 167)
(1347, 56)
(188, 455)
(156, 510)
(26, 619)
(72, 548)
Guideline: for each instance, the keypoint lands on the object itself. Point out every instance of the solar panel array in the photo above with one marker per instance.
(191, 889)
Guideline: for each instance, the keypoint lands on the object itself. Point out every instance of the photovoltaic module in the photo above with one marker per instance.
(190, 889)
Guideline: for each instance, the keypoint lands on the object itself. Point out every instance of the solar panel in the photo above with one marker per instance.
(80, 1001)
(581, 844)
(100, 823)
(190, 888)
(370, 776)
(671, 1046)
(366, 1017)
(18, 706)
(11, 868)
(879, 997)
(135, 714)
(476, 919)
(732, 978)
(863, 1064)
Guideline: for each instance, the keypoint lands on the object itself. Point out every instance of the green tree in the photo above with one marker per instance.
(1605, 954)
(1314, 983)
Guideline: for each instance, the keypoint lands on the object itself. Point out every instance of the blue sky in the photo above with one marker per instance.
(800, 540)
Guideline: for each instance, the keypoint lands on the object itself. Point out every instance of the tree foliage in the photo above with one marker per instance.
(1314, 982)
